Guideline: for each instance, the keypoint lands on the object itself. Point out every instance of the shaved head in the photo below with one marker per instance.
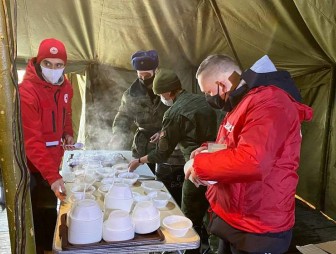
(218, 66)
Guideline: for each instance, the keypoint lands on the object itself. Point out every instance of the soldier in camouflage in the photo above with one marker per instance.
(189, 122)
(140, 109)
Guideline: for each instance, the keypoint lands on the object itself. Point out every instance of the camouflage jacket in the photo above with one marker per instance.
(188, 123)
(140, 109)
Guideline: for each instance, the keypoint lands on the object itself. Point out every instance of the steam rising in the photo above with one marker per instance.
(103, 100)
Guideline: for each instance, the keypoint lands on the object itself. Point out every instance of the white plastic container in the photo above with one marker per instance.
(128, 177)
(146, 217)
(177, 225)
(85, 222)
(160, 198)
(119, 197)
(118, 227)
(149, 186)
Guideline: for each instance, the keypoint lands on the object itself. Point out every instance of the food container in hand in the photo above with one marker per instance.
(189, 164)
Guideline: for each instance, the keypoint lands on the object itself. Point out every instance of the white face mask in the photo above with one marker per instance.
(52, 76)
(166, 102)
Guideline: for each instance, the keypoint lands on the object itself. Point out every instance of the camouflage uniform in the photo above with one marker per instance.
(142, 109)
(188, 123)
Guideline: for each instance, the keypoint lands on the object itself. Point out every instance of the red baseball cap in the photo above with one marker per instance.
(51, 48)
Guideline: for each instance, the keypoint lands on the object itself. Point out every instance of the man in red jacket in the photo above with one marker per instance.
(253, 201)
(45, 96)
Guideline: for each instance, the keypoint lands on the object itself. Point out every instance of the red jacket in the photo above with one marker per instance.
(46, 118)
(256, 174)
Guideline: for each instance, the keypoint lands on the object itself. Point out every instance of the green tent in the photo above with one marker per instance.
(101, 35)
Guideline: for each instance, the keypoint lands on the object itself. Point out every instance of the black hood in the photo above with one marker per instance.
(281, 79)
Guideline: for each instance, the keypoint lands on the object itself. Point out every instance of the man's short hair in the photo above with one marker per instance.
(218, 63)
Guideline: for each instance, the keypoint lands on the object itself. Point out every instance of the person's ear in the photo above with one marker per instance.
(221, 85)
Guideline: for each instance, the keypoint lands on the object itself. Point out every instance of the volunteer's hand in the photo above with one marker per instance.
(191, 175)
(133, 165)
(197, 151)
(68, 142)
(59, 189)
(155, 138)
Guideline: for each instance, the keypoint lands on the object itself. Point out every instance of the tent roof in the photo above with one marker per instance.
(295, 34)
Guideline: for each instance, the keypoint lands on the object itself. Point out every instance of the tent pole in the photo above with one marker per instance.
(225, 31)
(327, 141)
(12, 156)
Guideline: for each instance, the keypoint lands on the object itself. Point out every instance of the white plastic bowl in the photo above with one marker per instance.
(146, 217)
(118, 227)
(139, 197)
(79, 190)
(74, 198)
(160, 198)
(109, 180)
(119, 220)
(82, 238)
(190, 162)
(116, 235)
(120, 191)
(119, 197)
(145, 210)
(105, 172)
(103, 189)
(112, 203)
(86, 210)
(128, 177)
(149, 186)
(146, 226)
(177, 225)
(87, 178)
(85, 227)
(120, 167)
(69, 177)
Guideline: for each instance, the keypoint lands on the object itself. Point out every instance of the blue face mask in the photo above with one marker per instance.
(215, 101)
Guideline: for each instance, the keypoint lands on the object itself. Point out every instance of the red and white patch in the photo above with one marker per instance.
(66, 96)
(53, 50)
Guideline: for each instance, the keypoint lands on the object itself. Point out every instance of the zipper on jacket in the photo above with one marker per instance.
(53, 121)
(64, 117)
(56, 97)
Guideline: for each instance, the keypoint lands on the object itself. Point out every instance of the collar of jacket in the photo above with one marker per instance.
(235, 97)
(281, 79)
(178, 94)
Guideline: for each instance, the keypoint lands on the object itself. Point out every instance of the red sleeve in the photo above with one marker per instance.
(259, 140)
(34, 142)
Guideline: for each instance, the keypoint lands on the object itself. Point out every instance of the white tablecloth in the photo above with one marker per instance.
(190, 241)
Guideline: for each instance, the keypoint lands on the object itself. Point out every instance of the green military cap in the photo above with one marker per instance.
(165, 81)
